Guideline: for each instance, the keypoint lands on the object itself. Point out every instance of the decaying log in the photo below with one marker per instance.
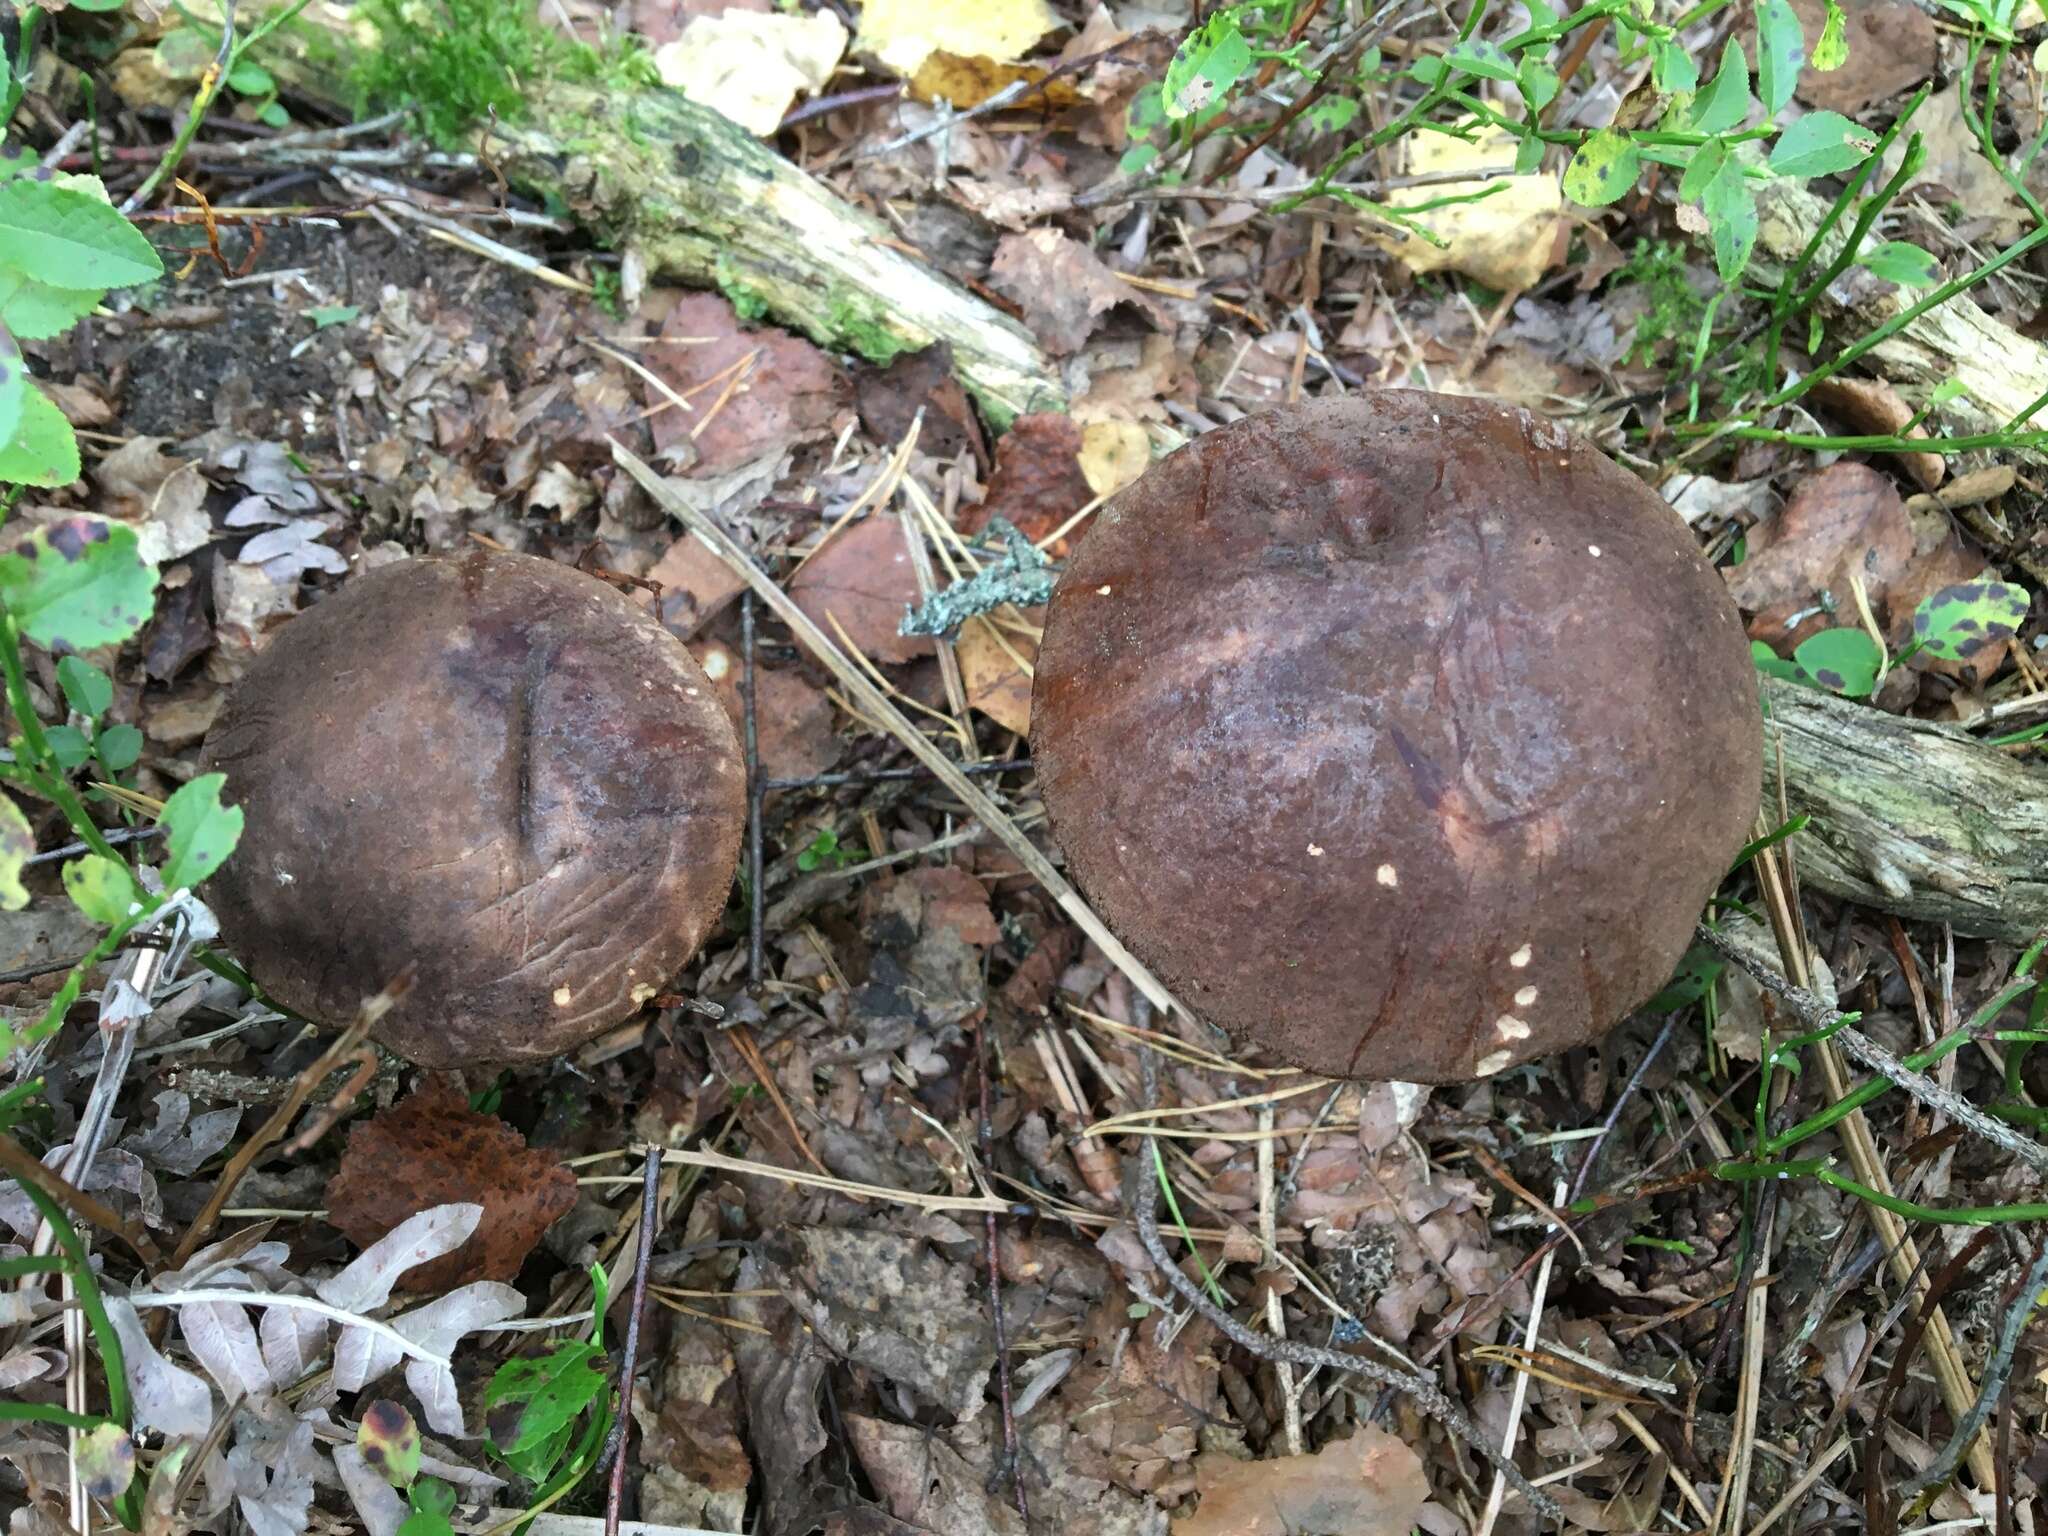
(701, 201)
(2001, 371)
(1910, 816)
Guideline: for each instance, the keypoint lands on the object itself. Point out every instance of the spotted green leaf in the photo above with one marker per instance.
(1844, 661)
(1909, 266)
(1209, 61)
(1820, 144)
(1831, 49)
(199, 831)
(1780, 53)
(1959, 621)
(1602, 170)
(1730, 207)
(77, 583)
(390, 1442)
(106, 1461)
(99, 888)
(1476, 56)
(17, 844)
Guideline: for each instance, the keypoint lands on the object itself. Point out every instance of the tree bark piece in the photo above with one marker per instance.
(1909, 816)
(700, 200)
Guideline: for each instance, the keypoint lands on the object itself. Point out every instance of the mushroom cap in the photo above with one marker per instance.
(1402, 735)
(491, 766)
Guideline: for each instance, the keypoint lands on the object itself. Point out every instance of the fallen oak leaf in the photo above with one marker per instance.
(1368, 1485)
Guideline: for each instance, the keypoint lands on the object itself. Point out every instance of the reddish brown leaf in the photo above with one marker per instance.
(1063, 288)
(751, 391)
(889, 399)
(431, 1149)
(696, 587)
(1038, 481)
(793, 719)
(863, 578)
(1368, 1485)
(1847, 520)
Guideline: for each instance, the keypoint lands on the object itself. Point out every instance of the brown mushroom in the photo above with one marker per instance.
(1403, 735)
(492, 767)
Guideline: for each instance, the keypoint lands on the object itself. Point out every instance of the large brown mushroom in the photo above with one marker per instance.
(1403, 735)
(492, 767)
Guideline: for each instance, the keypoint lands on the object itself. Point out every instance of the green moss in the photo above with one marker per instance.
(456, 62)
(855, 328)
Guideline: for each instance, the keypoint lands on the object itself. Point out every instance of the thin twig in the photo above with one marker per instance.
(1814, 1013)
(15, 1159)
(984, 1134)
(877, 707)
(1141, 1196)
(650, 1202)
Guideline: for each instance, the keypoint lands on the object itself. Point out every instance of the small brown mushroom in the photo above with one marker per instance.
(1403, 735)
(493, 767)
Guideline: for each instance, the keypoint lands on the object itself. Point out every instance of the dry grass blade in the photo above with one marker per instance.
(718, 1160)
(876, 706)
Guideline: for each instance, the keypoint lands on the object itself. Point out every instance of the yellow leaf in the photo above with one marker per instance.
(968, 82)
(995, 684)
(901, 34)
(749, 65)
(1113, 454)
(1504, 239)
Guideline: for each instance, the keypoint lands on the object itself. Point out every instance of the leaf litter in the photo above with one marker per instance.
(825, 1358)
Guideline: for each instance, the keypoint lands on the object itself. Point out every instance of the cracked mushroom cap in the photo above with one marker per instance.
(492, 766)
(1403, 735)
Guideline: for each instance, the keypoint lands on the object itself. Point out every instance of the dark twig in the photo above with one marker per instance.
(824, 104)
(15, 1159)
(343, 1048)
(750, 736)
(1141, 1195)
(984, 1136)
(1628, 1091)
(615, 1451)
(1816, 1014)
(1997, 1372)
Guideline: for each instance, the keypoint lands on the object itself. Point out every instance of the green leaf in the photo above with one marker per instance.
(274, 115)
(1136, 158)
(97, 5)
(199, 832)
(1950, 388)
(531, 1405)
(99, 888)
(1700, 172)
(1333, 114)
(17, 846)
(1209, 61)
(78, 583)
(1820, 144)
(1538, 81)
(1770, 663)
(1907, 265)
(117, 748)
(1833, 46)
(1723, 105)
(1780, 53)
(1959, 621)
(65, 237)
(88, 689)
(44, 449)
(1528, 155)
(1676, 70)
(332, 314)
(1541, 17)
(37, 311)
(1844, 661)
(390, 1442)
(1479, 57)
(432, 1502)
(69, 746)
(1602, 169)
(248, 78)
(185, 52)
(1730, 207)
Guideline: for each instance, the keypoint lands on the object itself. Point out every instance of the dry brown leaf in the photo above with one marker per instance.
(969, 81)
(889, 399)
(1873, 406)
(793, 720)
(1062, 287)
(1038, 482)
(863, 578)
(783, 390)
(1369, 1485)
(163, 497)
(995, 684)
(1848, 519)
(430, 1149)
(696, 587)
(1891, 49)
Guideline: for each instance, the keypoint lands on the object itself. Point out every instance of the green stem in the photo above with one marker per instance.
(1181, 1226)
(49, 1413)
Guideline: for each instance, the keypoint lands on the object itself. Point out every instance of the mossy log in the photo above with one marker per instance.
(1909, 816)
(701, 201)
